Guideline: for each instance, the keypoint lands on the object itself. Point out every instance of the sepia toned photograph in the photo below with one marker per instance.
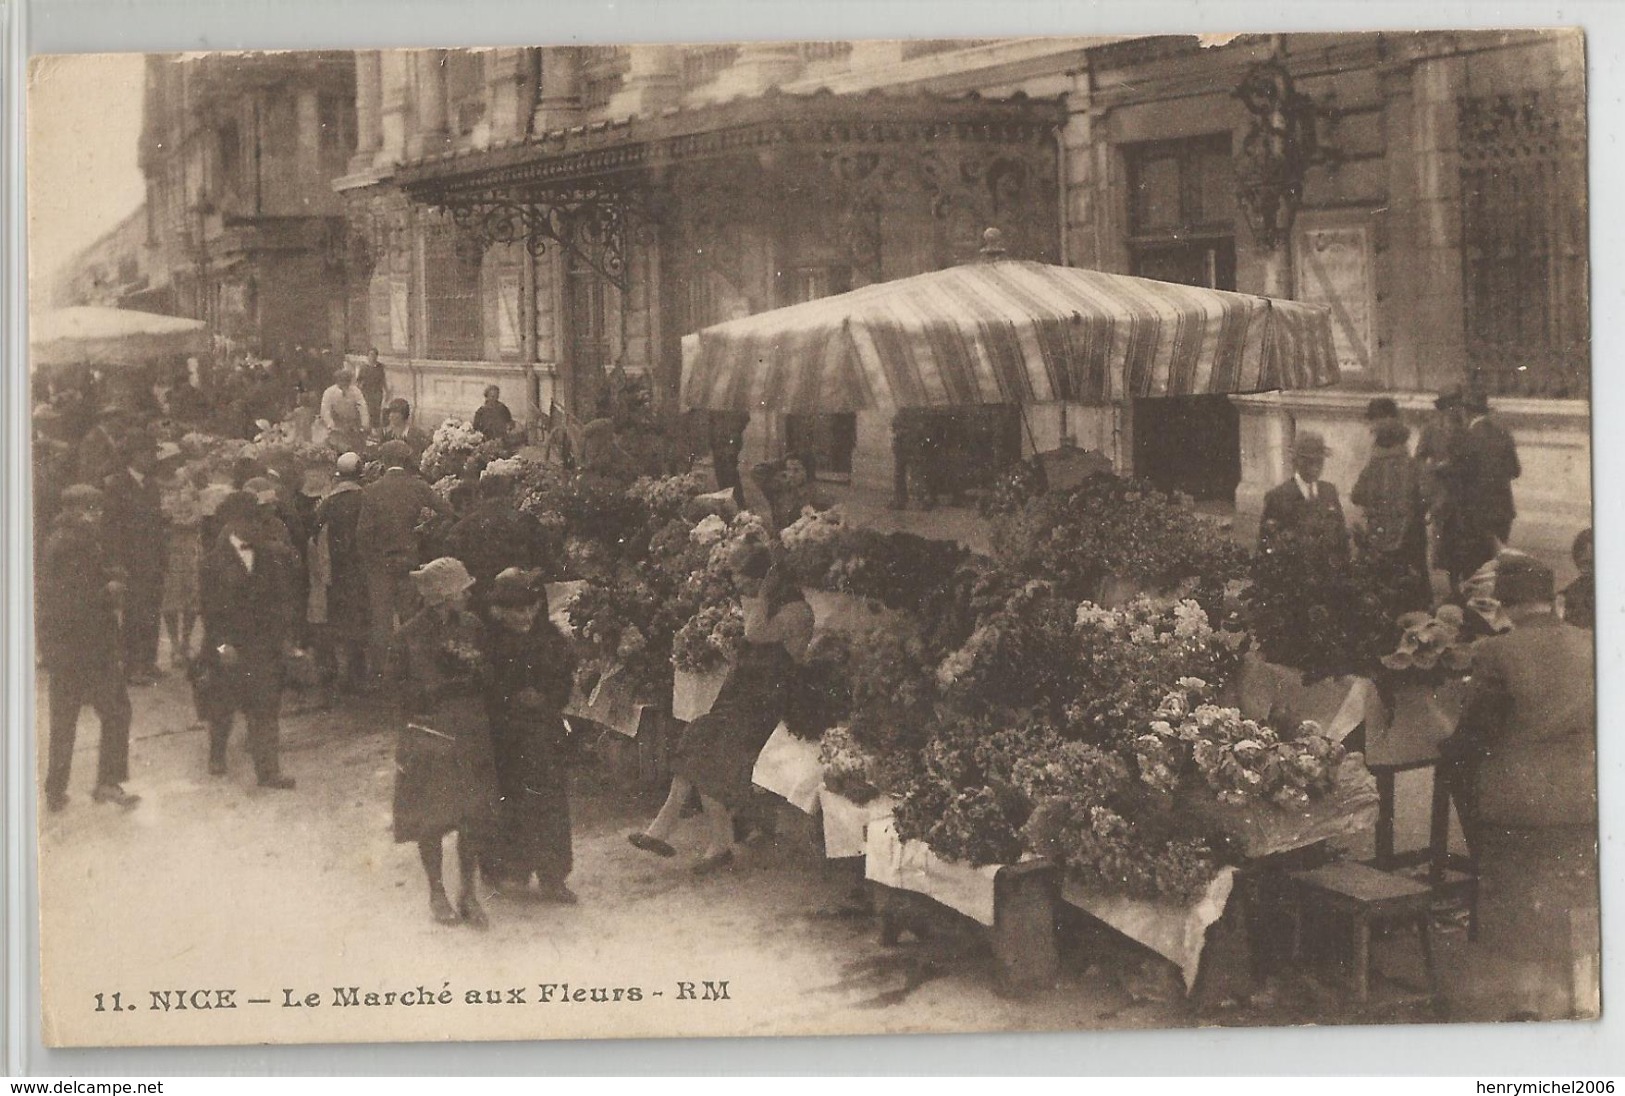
(813, 538)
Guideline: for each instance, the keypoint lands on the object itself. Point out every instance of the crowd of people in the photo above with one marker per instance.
(364, 581)
(1445, 505)
(313, 574)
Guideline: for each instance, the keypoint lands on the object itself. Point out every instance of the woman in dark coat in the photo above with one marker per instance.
(718, 750)
(1389, 490)
(445, 767)
(530, 667)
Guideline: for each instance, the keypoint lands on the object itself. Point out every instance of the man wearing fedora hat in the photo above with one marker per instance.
(1489, 465)
(141, 547)
(1522, 769)
(1304, 505)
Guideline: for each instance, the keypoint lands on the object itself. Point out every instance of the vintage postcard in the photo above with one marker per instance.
(801, 538)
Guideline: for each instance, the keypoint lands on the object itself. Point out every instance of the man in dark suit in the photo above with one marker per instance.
(139, 544)
(1489, 465)
(387, 533)
(79, 593)
(246, 587)
(1304, 505)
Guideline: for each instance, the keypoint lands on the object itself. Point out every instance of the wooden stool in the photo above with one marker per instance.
(1368, 898)
(1454, 878)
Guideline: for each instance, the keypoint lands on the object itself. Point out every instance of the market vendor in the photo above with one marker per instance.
(1523, 772)
(789, 487)
(718, 751)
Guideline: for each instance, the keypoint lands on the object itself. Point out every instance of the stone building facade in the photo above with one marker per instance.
(239, 153)
(116, 271)
(537, 218)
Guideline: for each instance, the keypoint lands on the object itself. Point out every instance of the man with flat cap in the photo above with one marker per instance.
(1522, 768)
(246, 585)
(139, 544)
(387, 531)
(80, 592)
(1305, 505)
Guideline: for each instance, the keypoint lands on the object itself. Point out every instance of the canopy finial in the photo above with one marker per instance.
(993, 245)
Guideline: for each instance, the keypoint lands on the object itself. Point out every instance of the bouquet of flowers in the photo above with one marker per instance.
(454, 442)
(963, 800)
(1021, 661)
(848, 770)
(444, 486)
(1110, 526)
(812, 544)
(894, 698)
(1128, 659)
(666, 497)
(710, 640)
(900, 570)
(1109, 840)
(1238, 758)
(1432, 644)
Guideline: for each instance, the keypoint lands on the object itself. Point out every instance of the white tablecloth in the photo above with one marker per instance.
(846, 823)
(912, 866)
(1174, 930)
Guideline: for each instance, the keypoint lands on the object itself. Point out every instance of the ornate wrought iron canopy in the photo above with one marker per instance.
(594, 191)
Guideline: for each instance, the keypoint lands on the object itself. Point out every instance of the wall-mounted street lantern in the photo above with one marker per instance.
(1281, 145)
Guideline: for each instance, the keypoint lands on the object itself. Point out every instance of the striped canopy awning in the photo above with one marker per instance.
(1007, 331)
(111, 337)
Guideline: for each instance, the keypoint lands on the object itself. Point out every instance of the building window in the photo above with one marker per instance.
(231, 158)
(602, 70)
(451, 293)
(337, 125)
(1523, 232)
(1181, 215)
(465, 90)
(702, 64)
(813, 53)
(1181, 188)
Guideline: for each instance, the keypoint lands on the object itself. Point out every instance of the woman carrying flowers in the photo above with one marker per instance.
(718, 750)
(445, 767)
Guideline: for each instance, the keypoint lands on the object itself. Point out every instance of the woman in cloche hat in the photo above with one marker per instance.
(445, 770)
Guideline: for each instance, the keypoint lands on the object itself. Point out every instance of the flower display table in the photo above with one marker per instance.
(846, 823)
(1338, 704)
(1176, 931)
(692, 694)
(1263, 829)
(1015, 902)
(789, 768)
